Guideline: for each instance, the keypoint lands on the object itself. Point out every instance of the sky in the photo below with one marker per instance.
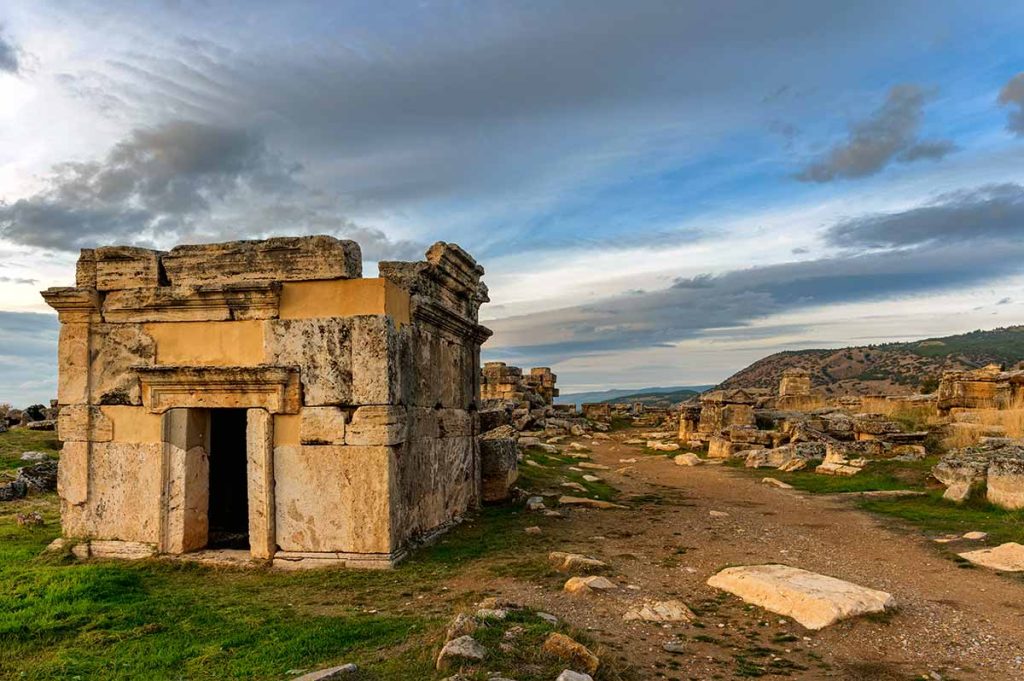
(660, 192)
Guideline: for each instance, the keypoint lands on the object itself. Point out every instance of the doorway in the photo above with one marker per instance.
(228, 492)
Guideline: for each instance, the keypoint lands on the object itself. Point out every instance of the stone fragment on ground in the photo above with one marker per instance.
(594, 466)
(677, 647)
(687, 459)
(32, 519)
(975, 536)
(459, 650)
(775, 482)
(718, 514)
(533, 530)
(574, 562)
(535, 504)
(344, 671)
(591, 503)
(662, 446)
(575, 653)
(462, 625)
(1008, 557)
(585, 585)
(34, 456)
(570, 675)
(661, 611)
(812, 599)
(592, 478)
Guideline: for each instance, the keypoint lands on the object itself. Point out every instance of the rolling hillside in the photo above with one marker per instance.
(892, 368)
(651, 396)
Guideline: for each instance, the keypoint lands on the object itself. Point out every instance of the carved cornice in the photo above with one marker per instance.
(73, 304)
(276, 389)
(432, 312)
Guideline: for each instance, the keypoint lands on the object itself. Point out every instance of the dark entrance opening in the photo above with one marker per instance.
(229, 495)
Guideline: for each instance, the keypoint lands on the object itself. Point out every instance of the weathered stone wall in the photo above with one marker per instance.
(365, 391)
(987, 388)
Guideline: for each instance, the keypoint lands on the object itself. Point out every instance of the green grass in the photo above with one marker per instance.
(61, 619)
(14, 442)
(878, 475)
(555, 471)
(935, 515)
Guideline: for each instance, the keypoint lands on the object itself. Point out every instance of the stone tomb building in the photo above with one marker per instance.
(261, 395)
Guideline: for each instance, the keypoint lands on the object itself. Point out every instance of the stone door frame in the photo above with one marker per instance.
(185, 480)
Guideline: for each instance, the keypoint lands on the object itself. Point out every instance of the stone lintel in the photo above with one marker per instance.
(275, 389)
(446, 319)
(212, 302)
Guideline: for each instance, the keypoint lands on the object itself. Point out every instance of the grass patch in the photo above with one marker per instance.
(554, 471)
(936, 515)
(153, 619)
(19, 440)
(878, 475)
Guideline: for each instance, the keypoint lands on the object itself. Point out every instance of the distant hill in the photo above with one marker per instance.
(891, 368)
(646, 395)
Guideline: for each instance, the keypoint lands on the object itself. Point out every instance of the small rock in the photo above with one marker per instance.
(462, 625)
(592, 478)
(627, 460)
(718, 514)
(574, 562)
(592, 503)
(975, 536)
(33, 519)
(687, 459)
(674, 647)
(662, 446)
(583, 585)
(570, 675)
(463, 648)
(548, 617)
(775, 482)
(535, 504)
(491, 614)
(34, 456)
(533, 530)
(575, 486)
(594, 466)
(661, 611)
(577, 654)
(329, 674)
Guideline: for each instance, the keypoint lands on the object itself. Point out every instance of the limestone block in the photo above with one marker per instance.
(281, 259)
(498, 467)
(454, 423)
(185, 438)
(375, 367)
(660, 611)
(80, 422)
(719, 448)
(813, 600)
(120, 267)
(377, 425)
(687, 459)
(116, 348)
(962, 477)
(1008, 557)
(321, 349)
(85, 269)
(578, 655)
(121, 550)
(438, 481)
(73, 472)
(351, 509)
(1005, 483)
(322, 426)
(259, 447)
(124, 489)
(73, 363)
(224, 302)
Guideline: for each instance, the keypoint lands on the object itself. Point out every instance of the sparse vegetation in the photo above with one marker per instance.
(14, 442)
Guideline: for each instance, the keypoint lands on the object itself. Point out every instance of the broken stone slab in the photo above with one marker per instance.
(330, 674)
(814, 600)
(962, 477)
(660, 611)
(461, 625)
(585, 585)
(662, 446)
(592, 478)
(775, 482)
(1005, 483)
(687, 459)
(574, 562)
(593, 466)
(578, 655)
(975, 536)
(458, 650)
(1008, 557)
(591, 503)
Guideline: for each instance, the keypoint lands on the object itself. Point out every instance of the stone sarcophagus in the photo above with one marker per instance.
(262, 395)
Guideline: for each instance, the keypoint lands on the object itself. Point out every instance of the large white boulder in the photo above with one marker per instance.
(813, 600)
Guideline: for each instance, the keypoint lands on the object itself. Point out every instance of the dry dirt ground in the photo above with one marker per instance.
(951, 623)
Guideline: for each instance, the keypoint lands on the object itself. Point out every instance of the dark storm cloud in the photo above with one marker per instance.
(8, 54)
(173, 182)
(990, 212)
(1012, 95)
(890, 134)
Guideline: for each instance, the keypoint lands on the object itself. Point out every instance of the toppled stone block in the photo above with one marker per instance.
(813, 600)
(498, 465)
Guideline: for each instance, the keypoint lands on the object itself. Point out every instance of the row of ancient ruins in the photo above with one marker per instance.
(206, 392)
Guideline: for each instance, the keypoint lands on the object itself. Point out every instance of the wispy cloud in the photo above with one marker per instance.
(889, 135)
(8, 54)
(1012, 95)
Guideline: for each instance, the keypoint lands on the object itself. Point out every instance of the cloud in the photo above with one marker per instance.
(889, 135)
(1012, 95)
(18, 280)
(926, 254)
(179, 181)
(8, 54)
(989, 212)
(28, 357)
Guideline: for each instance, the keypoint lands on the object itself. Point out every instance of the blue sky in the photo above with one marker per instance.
(661, 192)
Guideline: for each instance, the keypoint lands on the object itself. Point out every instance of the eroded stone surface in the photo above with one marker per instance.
(813, 600)
(1008, 557)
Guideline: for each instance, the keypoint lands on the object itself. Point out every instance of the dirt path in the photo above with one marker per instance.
(956, 623)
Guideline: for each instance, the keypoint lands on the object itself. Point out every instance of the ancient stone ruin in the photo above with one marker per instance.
(987, 388)
(262, 395)
(500, 381)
